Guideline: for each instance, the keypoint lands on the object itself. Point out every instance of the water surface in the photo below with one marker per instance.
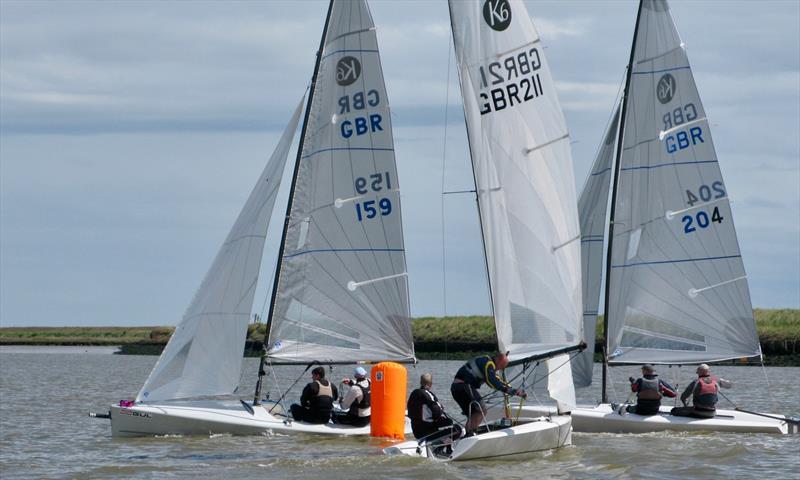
(46, 393)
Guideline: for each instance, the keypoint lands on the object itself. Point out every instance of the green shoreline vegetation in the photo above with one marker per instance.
(434, 337)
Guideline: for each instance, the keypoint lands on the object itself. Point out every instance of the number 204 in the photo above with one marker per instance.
(701, 218)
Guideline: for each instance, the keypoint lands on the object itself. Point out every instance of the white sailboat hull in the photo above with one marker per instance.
(215, 417)
(511, 443)
(602, 419)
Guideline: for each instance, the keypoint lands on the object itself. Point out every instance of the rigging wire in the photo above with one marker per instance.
(444, 164)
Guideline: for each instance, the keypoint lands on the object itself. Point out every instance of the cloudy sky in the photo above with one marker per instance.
(132, 132)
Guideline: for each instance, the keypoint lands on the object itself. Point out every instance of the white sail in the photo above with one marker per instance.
(204, 355)
(678, 289)
(342, 293)
(593, 212)
(523, 173)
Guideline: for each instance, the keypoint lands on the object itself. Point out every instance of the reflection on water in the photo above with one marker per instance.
(46, 392)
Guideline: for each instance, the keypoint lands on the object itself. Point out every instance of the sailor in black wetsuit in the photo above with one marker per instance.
(316, 401)
(469, 379)
(426, 413)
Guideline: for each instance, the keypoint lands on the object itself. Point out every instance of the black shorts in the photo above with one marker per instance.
(467, 397)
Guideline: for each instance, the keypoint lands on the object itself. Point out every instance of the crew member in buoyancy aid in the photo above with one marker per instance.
(468, 380)
(316, 401)
(356, 402)
(703, 391)
(426, 413)
(649, 390)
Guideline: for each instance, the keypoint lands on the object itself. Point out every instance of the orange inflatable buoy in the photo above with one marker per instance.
(388, 400)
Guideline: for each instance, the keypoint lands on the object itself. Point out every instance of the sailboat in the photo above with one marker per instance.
(676, 290)
(524, 183)
(340, 293)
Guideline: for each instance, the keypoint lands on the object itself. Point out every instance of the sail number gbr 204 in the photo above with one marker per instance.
(702, 219)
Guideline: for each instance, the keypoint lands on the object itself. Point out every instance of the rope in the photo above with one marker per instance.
(280, 400)
(444, 159)
(769, 387)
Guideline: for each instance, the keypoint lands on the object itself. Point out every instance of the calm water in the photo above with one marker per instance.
(45, 394)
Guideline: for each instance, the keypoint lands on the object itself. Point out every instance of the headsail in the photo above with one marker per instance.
(593, 209)
(523, 173)
(204, 355)
(678, 289)
(342, 293)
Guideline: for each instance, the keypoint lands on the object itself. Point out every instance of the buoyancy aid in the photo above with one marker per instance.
(362, 408)
(705, 393)
(649, 389)
(472, 373)
(323, 400)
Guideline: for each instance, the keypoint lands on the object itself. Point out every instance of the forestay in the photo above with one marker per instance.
(678, 291)
(523, 173)
(342, 294)
(592, 210)
(204, 355)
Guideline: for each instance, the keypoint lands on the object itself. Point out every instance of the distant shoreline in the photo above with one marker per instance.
(434, 338)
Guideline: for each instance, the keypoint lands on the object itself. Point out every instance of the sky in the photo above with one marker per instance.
(132, 132)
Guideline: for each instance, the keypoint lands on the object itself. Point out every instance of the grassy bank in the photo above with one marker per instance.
(434, 337)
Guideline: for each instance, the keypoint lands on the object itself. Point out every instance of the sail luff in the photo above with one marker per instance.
(614, 189)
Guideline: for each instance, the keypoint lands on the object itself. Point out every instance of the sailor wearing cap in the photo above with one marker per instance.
(356, 404)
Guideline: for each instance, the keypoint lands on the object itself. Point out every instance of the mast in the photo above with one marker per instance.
(261, 372)
(475, 182)
(614, 184)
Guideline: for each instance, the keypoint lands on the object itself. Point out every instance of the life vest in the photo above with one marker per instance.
(471, 373)
(362, 408)
(323, 400)
(649, 389)
(705, 393)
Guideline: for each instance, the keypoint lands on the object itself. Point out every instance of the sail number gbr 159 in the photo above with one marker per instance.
(368, 209)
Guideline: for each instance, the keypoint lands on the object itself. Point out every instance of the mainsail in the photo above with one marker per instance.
(593, 209)
(342, 293)
(204, 355)
(522, 165)
(677, 287)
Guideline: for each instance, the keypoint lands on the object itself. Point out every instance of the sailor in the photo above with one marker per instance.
(357, 401)
(649, 390)
(316, 401)
(426, 413)
(703, 391)
(470, 377)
